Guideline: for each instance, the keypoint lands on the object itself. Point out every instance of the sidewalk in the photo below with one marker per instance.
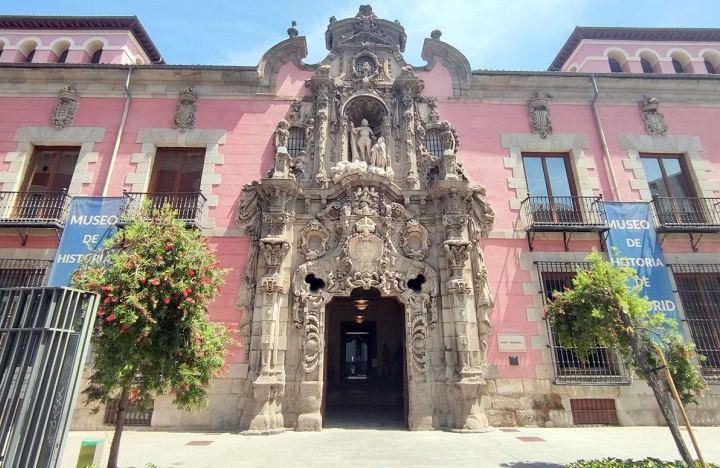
(509, 447)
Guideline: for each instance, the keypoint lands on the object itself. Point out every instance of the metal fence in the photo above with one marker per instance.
(134, 416)
(604, 366)
(44, 338)
(23, 272)
(34, 208)
(699, 289)
(683, 214)
(581, 213)
(189, 205)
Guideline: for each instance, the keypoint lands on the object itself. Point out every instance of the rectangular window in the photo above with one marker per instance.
(175, 179)
(46, 182)
(673, 196)
(551, 189)
(23, 273)
(604, 366)
(699, 290)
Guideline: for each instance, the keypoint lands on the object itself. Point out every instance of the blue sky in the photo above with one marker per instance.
(493, 34)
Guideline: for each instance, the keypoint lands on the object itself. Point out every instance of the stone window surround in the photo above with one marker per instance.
(689, 147)
(153, 138)
(573, 144)
(28, 138)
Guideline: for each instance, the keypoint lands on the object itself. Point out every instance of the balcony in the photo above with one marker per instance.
(564, 214)
(34, 209)
(687, 215)
(187, 205)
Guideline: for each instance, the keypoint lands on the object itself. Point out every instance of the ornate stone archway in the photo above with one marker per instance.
(326, 222)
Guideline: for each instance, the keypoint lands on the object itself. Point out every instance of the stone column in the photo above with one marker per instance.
(313, 344)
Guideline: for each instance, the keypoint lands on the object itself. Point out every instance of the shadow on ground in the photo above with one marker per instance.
(379, 417)
(532, 465)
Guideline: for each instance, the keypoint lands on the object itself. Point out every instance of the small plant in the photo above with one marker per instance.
(618, 463)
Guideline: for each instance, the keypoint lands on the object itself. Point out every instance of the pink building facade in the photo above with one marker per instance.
(449, 202)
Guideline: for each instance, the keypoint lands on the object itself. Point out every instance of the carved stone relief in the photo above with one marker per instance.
(313, 240)
(186, 110)
(653, 118)
(540, 114)
(64, 112)
(415, 243)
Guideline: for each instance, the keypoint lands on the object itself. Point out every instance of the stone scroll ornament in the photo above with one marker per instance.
(186, 110)
(540, 114)
(63, 114)
(653, 118)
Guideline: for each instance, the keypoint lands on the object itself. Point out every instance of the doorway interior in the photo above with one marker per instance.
(365, 370)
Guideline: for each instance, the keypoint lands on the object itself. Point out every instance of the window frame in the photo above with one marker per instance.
(31, 168)
(155, 173)
(553, 215)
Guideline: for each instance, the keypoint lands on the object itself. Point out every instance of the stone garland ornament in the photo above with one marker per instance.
(186, 110)
(540, 114)
(653, 118)
(63, 114)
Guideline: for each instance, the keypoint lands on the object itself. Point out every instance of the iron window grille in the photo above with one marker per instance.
(434, 143)
(604, 366)
(699, 289)
(296, 141)
(23, 273)
(134, 416)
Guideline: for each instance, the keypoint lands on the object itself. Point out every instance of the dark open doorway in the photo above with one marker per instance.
(365, 384)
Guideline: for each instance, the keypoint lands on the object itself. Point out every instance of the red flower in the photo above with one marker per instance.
(205, 279)
(173, 229)
(219, 290)
(107, 288)
(101, 312)
(168, 247)
(185, 293)
(123, 327)
(167, 300)
(110, 317)
(191, 272)
(155, 282)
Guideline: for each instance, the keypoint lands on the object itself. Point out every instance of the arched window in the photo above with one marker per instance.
(433, 142)
(63, 56)
(296, 141)
(96, 56)
(614, 65)
(29, 57)
(709, 67)
(677, 66)
(646, 66)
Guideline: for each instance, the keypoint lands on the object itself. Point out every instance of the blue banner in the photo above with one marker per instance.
(632, 232)
(91, 221)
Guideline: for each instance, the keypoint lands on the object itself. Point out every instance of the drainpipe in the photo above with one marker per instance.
(601, 132)
(116, 148)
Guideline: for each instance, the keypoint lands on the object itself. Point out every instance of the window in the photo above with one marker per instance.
(699, 290)
(615, 66)
(646, 66)
(46, 183)
(434, 143)
(134, 416)
(709, 67)
(96, 56)
(550, 188)
(603, 366)
(175, 179)
(23, 273)
(677, 66)
(296, 141)
(670, 188)
(30, 56)
(63, 56)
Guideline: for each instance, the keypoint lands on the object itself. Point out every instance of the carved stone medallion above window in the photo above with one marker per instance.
(654, 119)
(64, 112)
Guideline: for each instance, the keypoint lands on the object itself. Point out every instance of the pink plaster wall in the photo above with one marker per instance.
(290, 81)
(438, 82)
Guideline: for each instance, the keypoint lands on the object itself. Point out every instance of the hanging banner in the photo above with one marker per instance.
(90, 222)
(632, 232)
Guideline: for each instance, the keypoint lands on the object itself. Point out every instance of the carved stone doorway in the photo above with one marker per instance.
(365, 362)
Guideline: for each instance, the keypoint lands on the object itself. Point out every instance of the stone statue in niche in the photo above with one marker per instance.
(378, 154)
(362, 141)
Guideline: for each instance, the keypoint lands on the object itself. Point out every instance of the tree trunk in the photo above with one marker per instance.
(641, 358)
(119, 426)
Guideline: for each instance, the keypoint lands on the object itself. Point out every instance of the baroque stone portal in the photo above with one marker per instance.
(372, 214)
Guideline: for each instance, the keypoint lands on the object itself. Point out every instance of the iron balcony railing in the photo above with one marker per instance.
(564, 213)
(34, 209)
(23, 273)
(687, 214)
(188, 205)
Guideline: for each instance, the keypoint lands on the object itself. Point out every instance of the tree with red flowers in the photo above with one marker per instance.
(153, 335)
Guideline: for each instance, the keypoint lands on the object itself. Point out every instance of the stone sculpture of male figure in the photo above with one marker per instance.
(363, 138)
